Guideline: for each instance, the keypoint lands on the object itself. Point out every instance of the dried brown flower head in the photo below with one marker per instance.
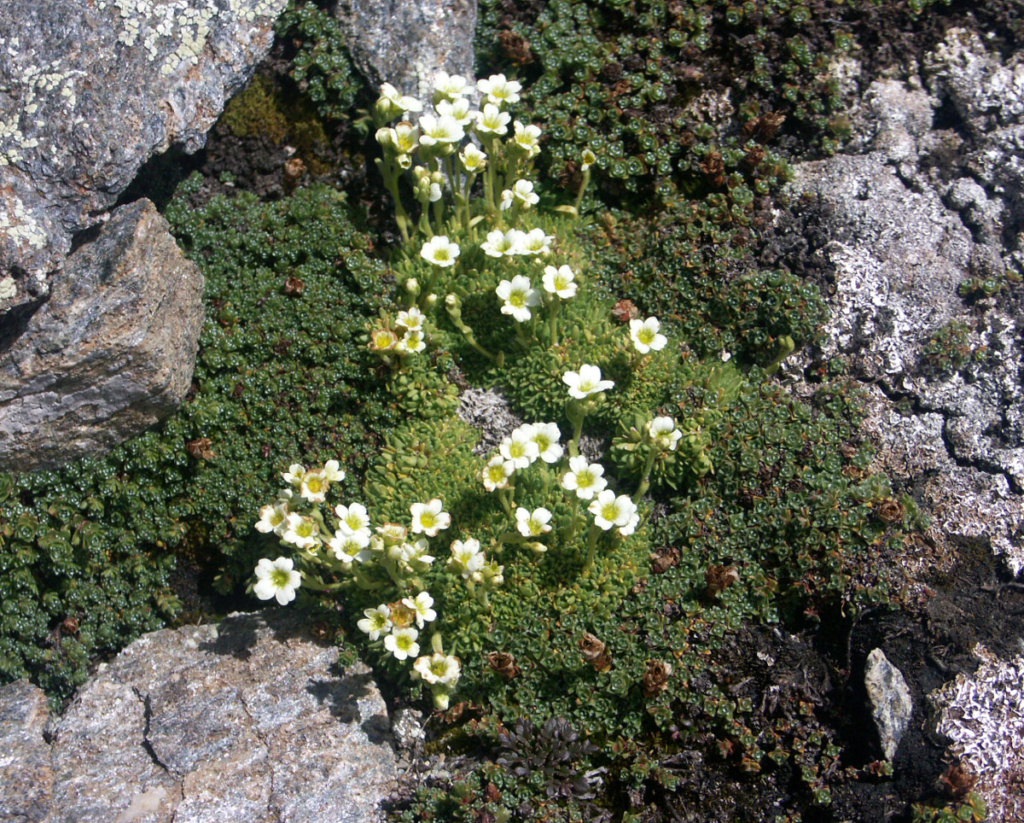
(719, 578)
(890, 511)
(595, 652)
(656, 677)
(504, 664)
(201, 449)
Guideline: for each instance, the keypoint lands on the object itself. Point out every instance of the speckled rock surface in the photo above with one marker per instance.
(110, 353)
(891, 704)
(89, 90)
(406, 42)
(246, 720)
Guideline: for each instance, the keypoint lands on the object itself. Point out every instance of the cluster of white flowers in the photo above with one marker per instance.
(525, 445)
(515, 242)
(405, 337)
(354, 545)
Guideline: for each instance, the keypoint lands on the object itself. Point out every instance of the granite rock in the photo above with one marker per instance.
(246, 720)
(406, 42)
(88, 92)
(110, 353)
(891, 703)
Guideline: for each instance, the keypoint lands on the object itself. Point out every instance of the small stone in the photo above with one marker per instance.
(891, 704)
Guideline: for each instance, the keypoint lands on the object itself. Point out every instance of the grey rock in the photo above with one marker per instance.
(406, 42)
(110, 353)
(891, 703)
(249, 719)
(88, 92)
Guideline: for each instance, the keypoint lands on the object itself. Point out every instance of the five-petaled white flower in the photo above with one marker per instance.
(499, 90)
(376, 622)
(428, 518)
(314, 486)
(521, 192)
(411, 319)
(497, 472)
(536, 242)
(610, 511)
(277, 578)
(492, 120)
(518, 296)
(302, 532)
(586, 382)
(533, 524)
(458, 111)
(353, 519)
(645, 336)
(450, 86)
(349, 547)
(402, 643)
(273, 518)
(472, 159)
(519, 448)
(440, 251)
(560, 281)
(411, 343)
(502, 243)
(438, 669)
(584, 478)
(445, 130)
(526, 138)
(664, 433)
(333, 471)
(546, 435)
(587, 159)
(395, 102)
(294, 475)
(467, 557)
(421, 606)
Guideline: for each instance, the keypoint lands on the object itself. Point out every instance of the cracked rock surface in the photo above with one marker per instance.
(88, 92)
(246, 720)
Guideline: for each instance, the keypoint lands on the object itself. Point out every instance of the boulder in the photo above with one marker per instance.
(247, 720)
(88, 92)
(406, 42)
(110, 353)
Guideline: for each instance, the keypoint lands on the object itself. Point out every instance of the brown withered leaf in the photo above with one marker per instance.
(719, 578)
(890, 511)
(625, 310)
(201, 449)
(294, 287)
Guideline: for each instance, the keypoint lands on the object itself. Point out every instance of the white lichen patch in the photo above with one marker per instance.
(19, 226)
(984, 717)
(8, 288)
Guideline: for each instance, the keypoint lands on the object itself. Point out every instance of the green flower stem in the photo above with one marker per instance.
(645, 478)
(582, 191)
(391, 174)
(592, 536)
(504, 496)
(556, 307)
(362, 581)
(573, 517)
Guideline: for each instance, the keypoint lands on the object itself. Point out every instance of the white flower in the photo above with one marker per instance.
(273, 518)
(416, 556)
(314, 485)
(644, 334)
(533, 524)
(349, 547)
(404, 138)
(502, 244)
(519, 448)
(492, 120)
(518, 296)
(333, 471)
(389, 96)
(458, 111)
(522, 190)
(586, 382)
(302, 532)
(584, 478)
(411, 319)
(421, 606)
(664, 433)
(588, 158)
(444, 130)
(428, 518)
(402, 643)
(411, 343)
(438, 668)
(376, 622)
(277, 579)
(536, 242)
(473, 160)
(610, 511)
(497, 472)
(393, 533)
(450, 87)
(526, 138)
(631, 524)
(440, 251)
(560, 281)
(354, 519)
(499, 90)
(467, 558)
(546, 435)
(294, 475)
